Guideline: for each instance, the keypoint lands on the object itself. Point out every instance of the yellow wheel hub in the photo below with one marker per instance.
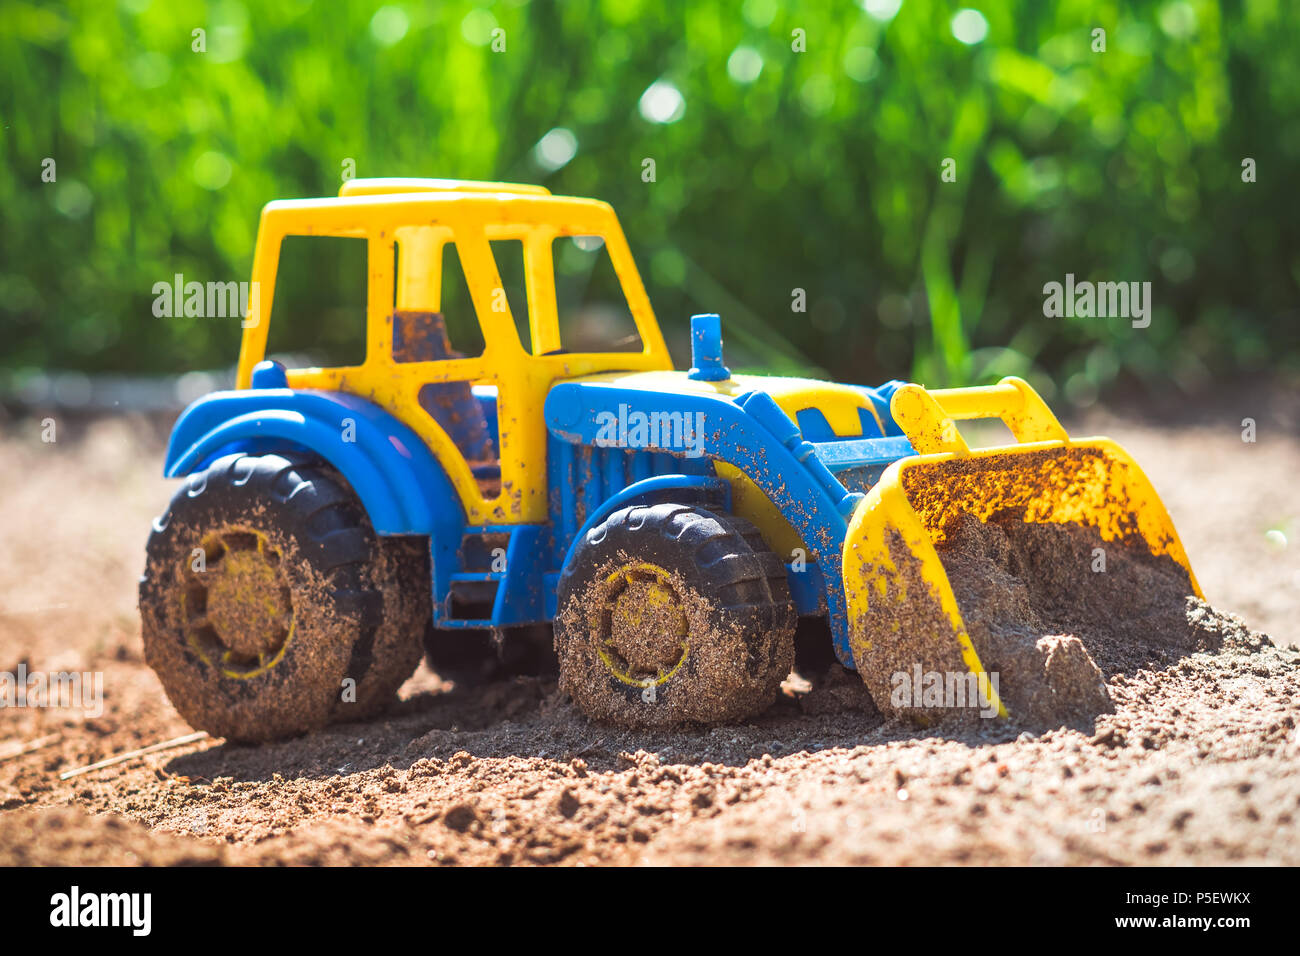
(239, 616)
(643, 630)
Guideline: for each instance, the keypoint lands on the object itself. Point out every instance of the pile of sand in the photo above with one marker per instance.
(1056, 611)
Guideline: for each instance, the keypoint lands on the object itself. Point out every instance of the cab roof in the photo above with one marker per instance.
(390, 185)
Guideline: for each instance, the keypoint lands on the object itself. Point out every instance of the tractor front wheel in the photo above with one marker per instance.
(671, 615)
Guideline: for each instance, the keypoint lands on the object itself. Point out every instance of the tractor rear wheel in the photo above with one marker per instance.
(671, 615)
(269, 607)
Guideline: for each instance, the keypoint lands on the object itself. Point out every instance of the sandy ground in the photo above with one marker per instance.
(1199, 763)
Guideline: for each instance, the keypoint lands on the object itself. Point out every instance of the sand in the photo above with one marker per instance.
(1196, 762)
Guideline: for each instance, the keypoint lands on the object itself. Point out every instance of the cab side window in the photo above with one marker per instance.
(455, 332)
(509, 256)
(593, 312)
(318, 314)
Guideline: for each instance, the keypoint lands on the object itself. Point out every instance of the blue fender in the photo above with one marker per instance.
(677, 489)
(400, 483)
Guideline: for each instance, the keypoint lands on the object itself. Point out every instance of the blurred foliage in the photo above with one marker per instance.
(776, 169)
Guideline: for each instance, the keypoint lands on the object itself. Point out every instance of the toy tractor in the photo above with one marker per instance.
(672, 527)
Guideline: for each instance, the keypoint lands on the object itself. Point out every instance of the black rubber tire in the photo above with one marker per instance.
(334, 612)
(719, 639)
(401, 574)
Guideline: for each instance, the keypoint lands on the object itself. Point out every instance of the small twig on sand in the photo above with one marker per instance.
(9, 751)
(132, 754)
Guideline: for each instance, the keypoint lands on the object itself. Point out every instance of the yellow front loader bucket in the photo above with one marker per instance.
(903, 615)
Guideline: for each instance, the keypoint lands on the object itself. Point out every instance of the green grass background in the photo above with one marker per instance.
(821, 172)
